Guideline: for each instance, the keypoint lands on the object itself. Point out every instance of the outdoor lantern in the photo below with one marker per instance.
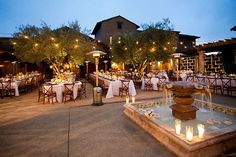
(201, 130)
(177, 126)
(189, 133)
(97, 91)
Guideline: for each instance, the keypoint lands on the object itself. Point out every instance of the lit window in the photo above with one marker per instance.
(110, 39)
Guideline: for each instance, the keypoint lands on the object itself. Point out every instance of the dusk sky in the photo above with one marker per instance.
(209, 19)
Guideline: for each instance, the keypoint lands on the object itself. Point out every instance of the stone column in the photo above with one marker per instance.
(201, 55)
(196, 60)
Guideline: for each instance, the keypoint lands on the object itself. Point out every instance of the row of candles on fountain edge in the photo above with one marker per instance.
(132, 99)
(189, 130)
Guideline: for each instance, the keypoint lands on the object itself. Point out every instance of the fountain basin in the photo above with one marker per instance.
(219, 138)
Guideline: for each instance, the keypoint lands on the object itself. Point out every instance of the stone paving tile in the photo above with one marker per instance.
(106, 131)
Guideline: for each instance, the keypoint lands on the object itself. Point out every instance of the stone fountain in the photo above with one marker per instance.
(158, 119)
(182, 93)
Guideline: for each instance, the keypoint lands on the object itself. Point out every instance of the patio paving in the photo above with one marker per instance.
(74, 129)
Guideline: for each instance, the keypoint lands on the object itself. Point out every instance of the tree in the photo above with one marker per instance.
(155, 43)
(62, 48)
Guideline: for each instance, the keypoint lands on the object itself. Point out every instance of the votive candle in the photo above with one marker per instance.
(133, 99)
(189, 133)
(201, 130)
(177, 126)
(127, 100)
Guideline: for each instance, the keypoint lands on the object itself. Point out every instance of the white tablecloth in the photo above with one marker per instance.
(114, 88)
(59, 88)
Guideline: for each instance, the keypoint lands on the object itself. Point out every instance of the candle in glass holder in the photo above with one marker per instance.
(189, 133)
(201, 130)
(127, 100)
(177, 126)
(133, 99)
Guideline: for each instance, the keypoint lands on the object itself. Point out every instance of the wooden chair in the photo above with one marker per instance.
(8, 89)
(161, 83)
(226, 86)
(22, 86)
(214, 84)
(68, 91)
(104, 87)
(124, 89)
(232, 88)
(201, 79)
(40, 92)
(147, 83)
(190, 78)
(1, 89)
(48, 93)
(82, 89)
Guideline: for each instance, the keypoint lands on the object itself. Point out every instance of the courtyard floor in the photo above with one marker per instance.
(76, 129)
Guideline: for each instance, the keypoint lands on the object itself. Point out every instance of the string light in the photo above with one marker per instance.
(52, 38)
(126, 48)
(181, 43)
(140, 49)
(168, 43)
(99, 41)
(153, 49)
(14, 43)
(56, 45)
(153, 43)
(94, 47)
(119, 42)
(76, 40)
(36, 44)
(165, 48)
(26, 37)
(110, 48)
(76, 46)
(185, 47)
(137, 42)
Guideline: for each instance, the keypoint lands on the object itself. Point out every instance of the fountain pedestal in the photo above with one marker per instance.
(183, 109)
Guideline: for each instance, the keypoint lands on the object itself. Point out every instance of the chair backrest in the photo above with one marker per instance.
(69, 87)
(162, 80)
(212, 81)
(1, 84)
(147, 80)
(190, 78)
(83, 85)
(7, 85)
(233, 82)
(201, 79)
(47, 89)
(125, 84)
(226, 82)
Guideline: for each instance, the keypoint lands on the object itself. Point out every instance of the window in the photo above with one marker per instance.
(119, 25)
(110, 39)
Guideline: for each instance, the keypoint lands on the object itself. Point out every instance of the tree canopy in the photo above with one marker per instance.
(155, 43)
(66, 45)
